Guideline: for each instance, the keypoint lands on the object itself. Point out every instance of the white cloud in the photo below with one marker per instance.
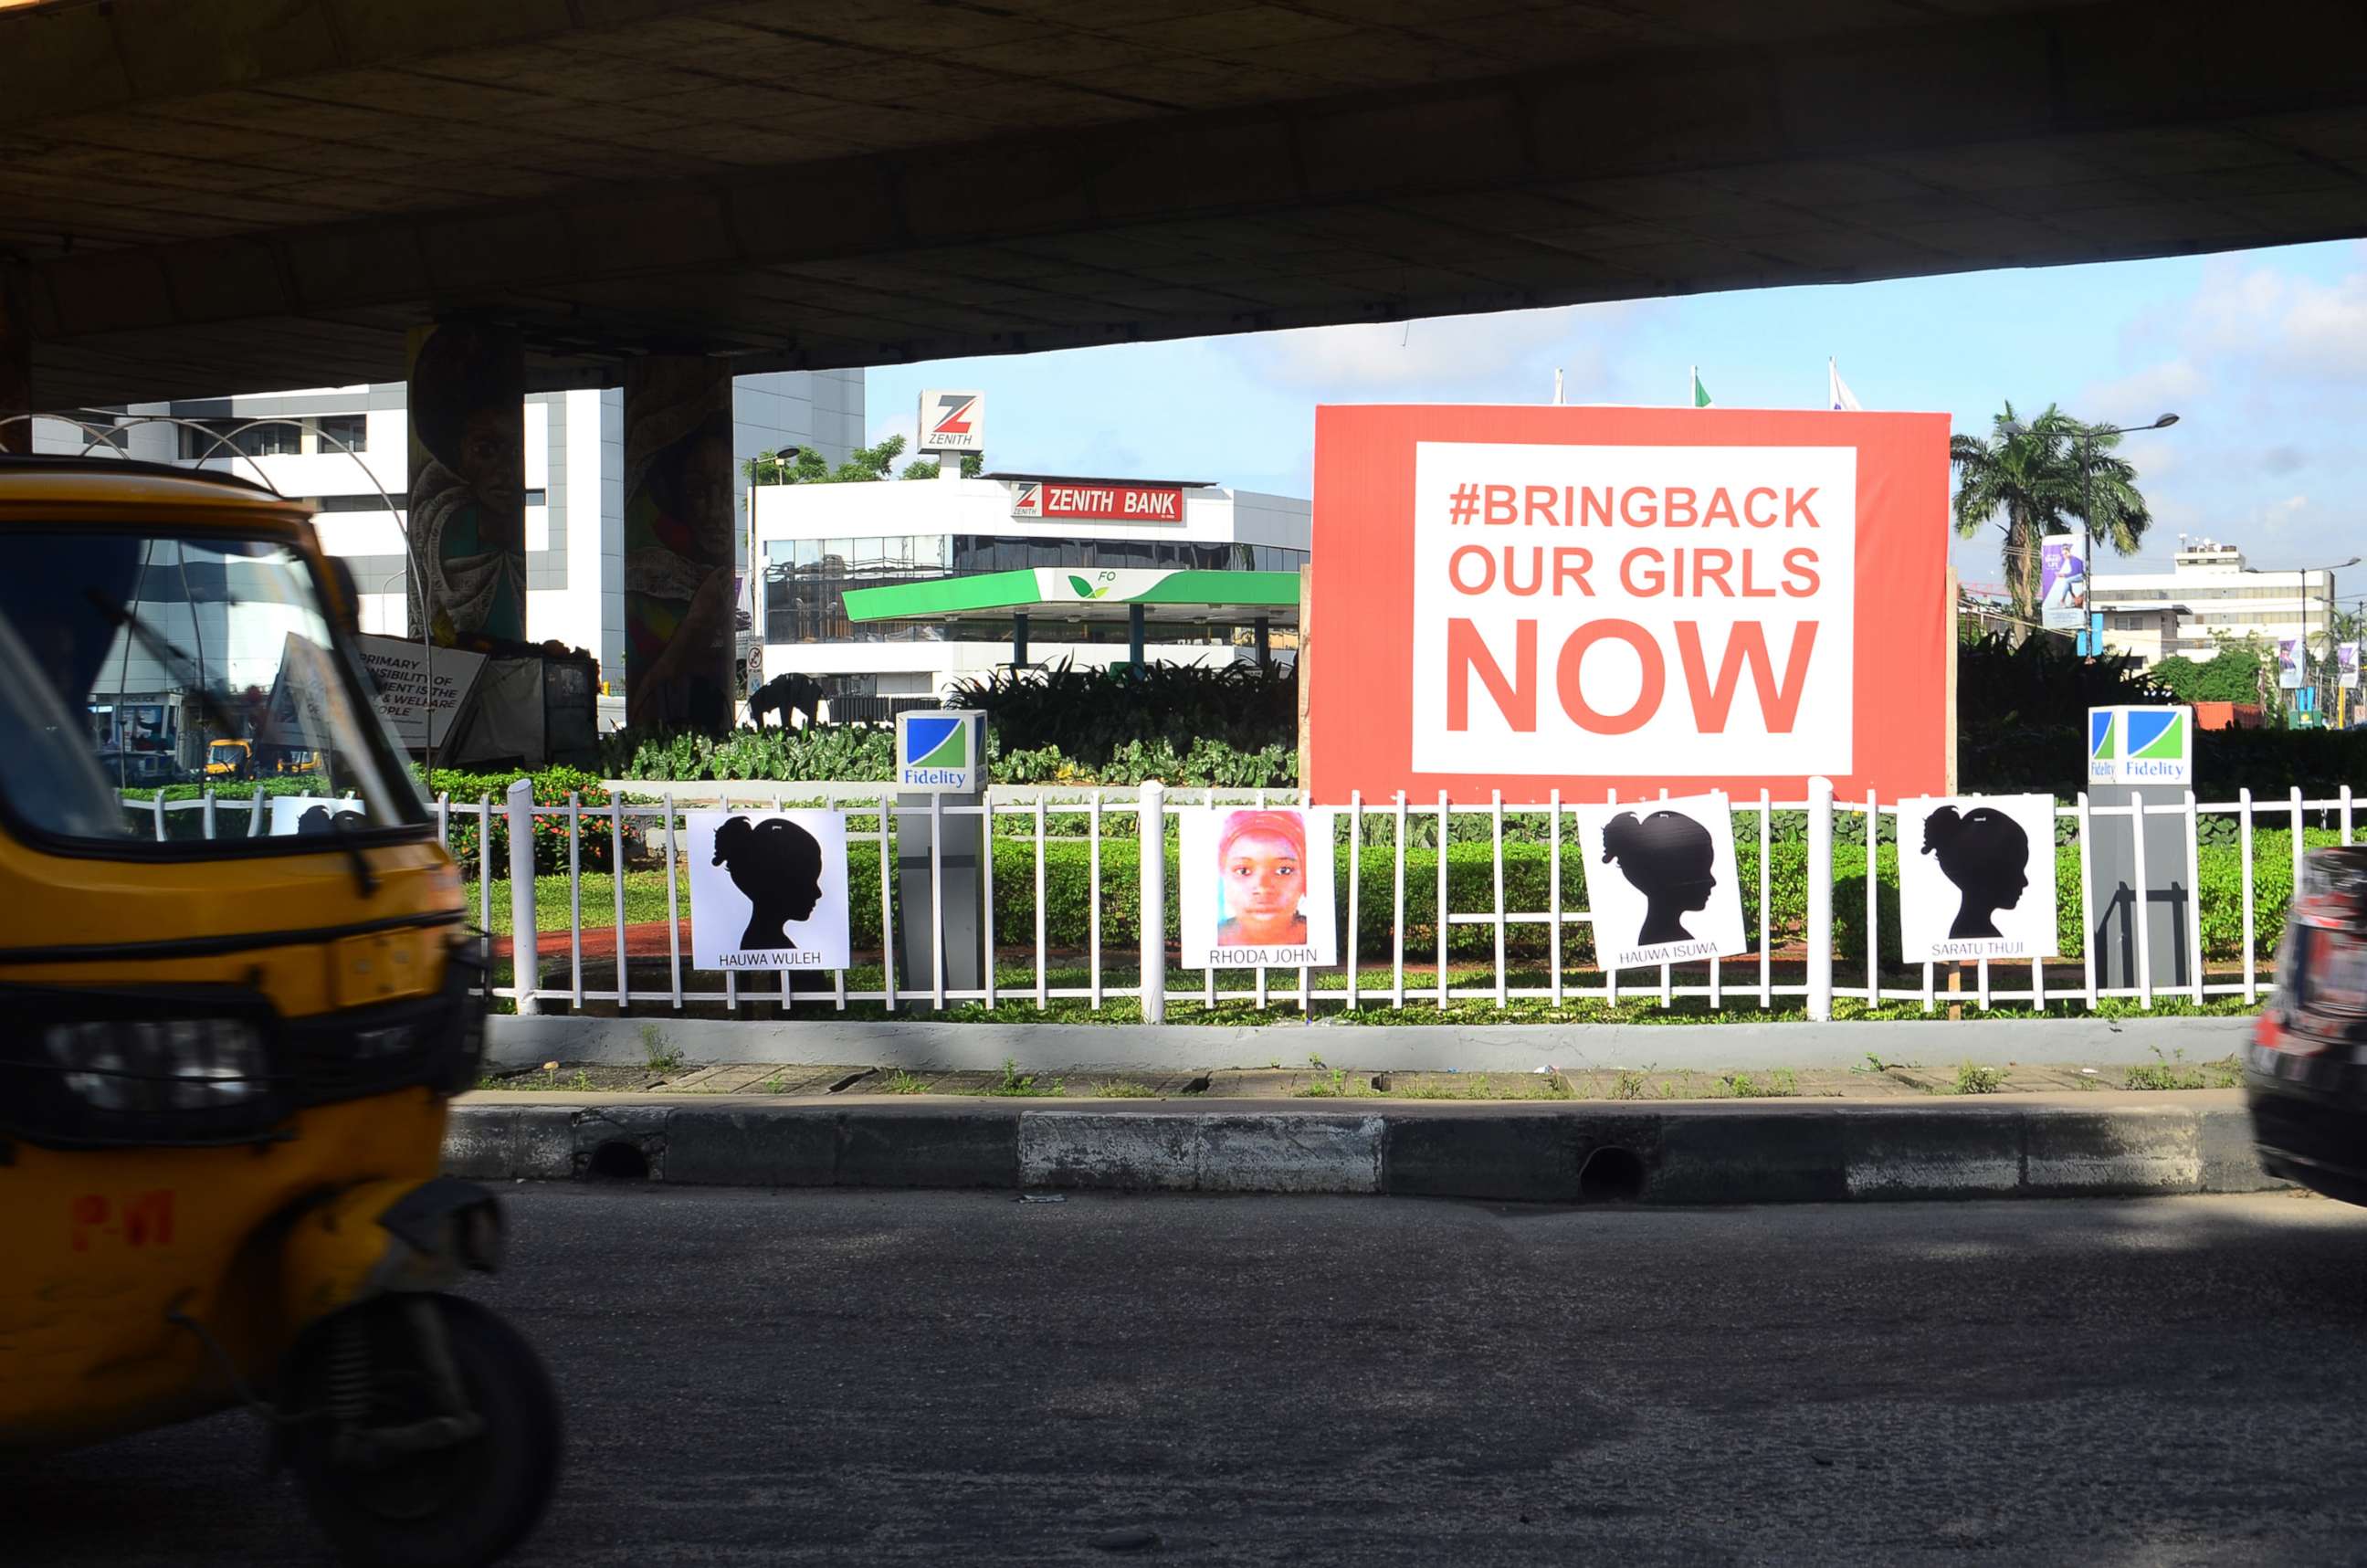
(2143, 396)
(1511, 353)
(2273, 514)
(2283, 320)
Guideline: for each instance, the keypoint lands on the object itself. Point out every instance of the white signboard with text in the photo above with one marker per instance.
(419, 692)
(952, 422)
(1669, 611)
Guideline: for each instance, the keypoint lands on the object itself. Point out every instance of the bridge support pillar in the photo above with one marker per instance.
(16, 369)
(467, 402)
(679, 542)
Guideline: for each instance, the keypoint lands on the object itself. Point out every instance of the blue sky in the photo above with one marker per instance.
(2263, 354)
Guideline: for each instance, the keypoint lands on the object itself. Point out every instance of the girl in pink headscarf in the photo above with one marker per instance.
(1261, 864)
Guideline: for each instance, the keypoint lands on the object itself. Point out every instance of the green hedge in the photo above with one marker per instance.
(866, 752)
(551, 788)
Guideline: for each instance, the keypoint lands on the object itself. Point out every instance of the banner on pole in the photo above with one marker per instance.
(2063, 582)
(1532, 599)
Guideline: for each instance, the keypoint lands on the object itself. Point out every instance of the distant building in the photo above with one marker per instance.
(575, 479)
(819, 541)
(2209, 596)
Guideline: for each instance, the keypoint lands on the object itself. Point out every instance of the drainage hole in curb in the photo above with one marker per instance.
(1198, 1085)
(1611, 1176)
(617, 1160)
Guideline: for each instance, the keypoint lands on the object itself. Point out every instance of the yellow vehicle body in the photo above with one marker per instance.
(230, 759)
(132, 1273)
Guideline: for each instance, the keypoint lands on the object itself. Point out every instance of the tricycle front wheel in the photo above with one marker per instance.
(398, 1472)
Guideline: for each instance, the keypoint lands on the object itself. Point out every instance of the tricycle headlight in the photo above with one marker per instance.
(151, 1064)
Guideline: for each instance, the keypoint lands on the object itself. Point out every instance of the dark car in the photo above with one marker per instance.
(2305, 1069)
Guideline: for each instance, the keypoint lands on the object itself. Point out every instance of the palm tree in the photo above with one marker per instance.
(2034, 479)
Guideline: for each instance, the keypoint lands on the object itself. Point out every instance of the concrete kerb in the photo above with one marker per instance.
(521, 1043)
(1697, 1154)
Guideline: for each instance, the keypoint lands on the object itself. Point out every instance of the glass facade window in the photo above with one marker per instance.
(350, 429)
(221, 437)
(805, 578)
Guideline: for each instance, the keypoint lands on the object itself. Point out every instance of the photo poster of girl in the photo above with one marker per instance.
(768, 890)
(1976, 877)
(1660, 881)
(1257, 887)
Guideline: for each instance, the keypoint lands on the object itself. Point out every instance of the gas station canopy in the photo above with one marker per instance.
(1111, 594)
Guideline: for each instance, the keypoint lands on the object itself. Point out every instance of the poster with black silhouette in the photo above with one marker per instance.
(1257, 887)
(309, 814)
(768, 890)
(1660, 882)
(1976, 877)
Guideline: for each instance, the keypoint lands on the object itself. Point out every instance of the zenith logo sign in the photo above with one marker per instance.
(953, 421)
(956, 414)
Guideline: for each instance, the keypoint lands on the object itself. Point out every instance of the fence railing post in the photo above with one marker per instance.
(526, 966)
(1820, 899)
(1153, 860)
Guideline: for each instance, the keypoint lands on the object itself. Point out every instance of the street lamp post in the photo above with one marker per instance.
(2095, 635)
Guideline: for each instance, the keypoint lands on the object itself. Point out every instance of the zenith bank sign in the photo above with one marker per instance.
(1085, 499)
(1601, 600)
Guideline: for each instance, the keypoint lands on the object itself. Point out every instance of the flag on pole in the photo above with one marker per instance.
(1841, 397)
(1700, 392)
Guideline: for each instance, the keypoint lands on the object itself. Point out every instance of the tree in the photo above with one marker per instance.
(2232, 675)
(2033, 480)
(802, 465)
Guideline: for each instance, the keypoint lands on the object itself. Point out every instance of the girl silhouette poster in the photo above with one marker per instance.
(768, 890)
(1257, 887)
(1660, 882)
(1976, 877)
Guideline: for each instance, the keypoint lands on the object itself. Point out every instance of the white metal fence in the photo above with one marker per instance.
(550, 963)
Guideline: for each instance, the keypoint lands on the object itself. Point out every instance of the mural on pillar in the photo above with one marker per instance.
(678, 544)
(467, 480)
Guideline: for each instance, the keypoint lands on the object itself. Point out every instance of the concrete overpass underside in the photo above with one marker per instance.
(240, 195)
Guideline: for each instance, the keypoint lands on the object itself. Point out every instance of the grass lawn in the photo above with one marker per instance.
(645, 899)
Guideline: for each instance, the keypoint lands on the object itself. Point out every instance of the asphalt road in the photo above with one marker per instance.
(929, 1378)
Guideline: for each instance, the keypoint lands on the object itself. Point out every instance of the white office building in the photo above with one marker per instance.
(574, 481)
(819, 541)
(2210, 594)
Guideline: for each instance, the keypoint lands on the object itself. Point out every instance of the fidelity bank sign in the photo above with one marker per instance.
(2141, 745)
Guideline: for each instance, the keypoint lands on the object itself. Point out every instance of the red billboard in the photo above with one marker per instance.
(1628, 600)
(1087, 499)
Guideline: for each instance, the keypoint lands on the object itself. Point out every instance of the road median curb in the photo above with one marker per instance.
(1684, 1154)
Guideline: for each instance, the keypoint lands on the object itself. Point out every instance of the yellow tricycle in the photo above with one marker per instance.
(228, 1038)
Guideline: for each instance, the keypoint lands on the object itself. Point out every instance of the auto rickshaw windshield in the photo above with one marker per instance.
(156, 646)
